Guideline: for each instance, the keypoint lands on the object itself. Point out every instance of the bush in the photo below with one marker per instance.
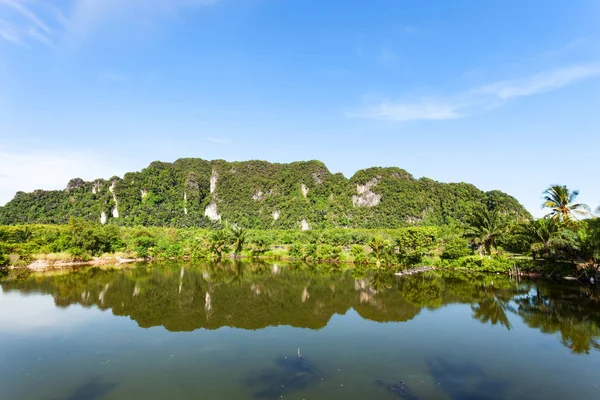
(328, 252)
(3, 256)
(296, 251)
(415, 242)
(358, 253)
(486, 263)
(79, 254)
(456, 248)
(144, 246)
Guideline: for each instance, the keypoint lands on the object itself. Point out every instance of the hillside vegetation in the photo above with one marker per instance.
(258, 195)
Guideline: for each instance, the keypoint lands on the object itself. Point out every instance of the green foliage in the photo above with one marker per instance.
(455, 248)
(3, 256)
(486, 263)
(415, 243)
(327, 252)
(257, 195)
(358, 254)
(92, 238)
(219, 243)
(260, 245)
(546, 237)
(238, 238)
(380, 248)
(486, 226)
(296, 251)
(561, 202)
(311, 252)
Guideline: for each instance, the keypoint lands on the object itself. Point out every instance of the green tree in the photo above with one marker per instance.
(219, 243)
(260, 245)
(561, 202)
(238, 236)
(415, 242)
(486, 226)
(587, 243)
(545, 237)
(380, 246)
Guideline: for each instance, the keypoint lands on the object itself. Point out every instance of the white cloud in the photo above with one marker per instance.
(482, 97)
(31, 170)
(543, 82)
(408, 111)
(24, 20)
(19, 24)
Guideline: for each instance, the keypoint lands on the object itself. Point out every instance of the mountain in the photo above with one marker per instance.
(257, 194)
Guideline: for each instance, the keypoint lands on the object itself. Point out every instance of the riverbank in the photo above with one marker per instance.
(515, 267)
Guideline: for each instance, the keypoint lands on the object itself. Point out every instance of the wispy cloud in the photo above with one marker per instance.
(543, 82)
(22, 21)
(482, 97)
(19, 24)
(219, 140)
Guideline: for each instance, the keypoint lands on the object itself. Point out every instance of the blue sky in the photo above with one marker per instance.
(503, 94)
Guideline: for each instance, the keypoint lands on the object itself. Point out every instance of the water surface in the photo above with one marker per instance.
(232, 331)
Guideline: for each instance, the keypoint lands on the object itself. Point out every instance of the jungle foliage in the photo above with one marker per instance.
(257, 195)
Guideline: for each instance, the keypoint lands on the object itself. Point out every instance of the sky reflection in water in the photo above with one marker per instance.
(233, 331)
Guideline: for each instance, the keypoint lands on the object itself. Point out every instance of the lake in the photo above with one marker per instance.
(236, 330)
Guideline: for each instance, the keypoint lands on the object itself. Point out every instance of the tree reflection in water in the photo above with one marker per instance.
(257, 295)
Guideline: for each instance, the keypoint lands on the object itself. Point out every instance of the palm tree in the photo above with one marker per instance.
(380, 246)
(546, 235)
(560, 200)
(218, 243)
(486, 227)
(238, 234)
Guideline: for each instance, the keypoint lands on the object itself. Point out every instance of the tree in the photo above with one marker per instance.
(379, 246)
(238, 236)
(545, 237)
(561, 201)
(486, 226)
(218, 243)
(260, 245)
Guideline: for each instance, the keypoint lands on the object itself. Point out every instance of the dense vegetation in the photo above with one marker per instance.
(257, 195)
(488, 237)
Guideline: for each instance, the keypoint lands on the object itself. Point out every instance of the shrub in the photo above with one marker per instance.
(328, 252)
(296, 251)
(456, 248)
(358, 253)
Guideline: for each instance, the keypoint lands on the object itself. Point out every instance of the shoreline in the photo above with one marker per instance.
(46, 265)
(41, 265)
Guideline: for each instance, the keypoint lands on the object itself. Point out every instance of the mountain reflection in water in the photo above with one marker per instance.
(255, 296)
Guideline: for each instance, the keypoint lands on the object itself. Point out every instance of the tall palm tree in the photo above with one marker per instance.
(486, 227)
(561, 202)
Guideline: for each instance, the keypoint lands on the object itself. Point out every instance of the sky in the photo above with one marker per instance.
(504, 94)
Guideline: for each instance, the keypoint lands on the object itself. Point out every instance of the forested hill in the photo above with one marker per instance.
(257, 194)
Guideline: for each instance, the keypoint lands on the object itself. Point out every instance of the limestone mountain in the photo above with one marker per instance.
(257, 194)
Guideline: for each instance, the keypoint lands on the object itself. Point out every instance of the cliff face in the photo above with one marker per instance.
(257, 194)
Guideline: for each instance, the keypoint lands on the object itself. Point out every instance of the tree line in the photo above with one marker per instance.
(489, 239)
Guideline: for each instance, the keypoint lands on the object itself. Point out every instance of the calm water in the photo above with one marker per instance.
(233, 332)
